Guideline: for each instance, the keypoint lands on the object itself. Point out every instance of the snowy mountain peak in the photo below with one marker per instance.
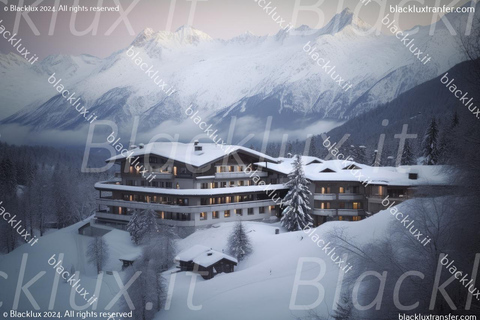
(303, 27)
(10, 59)
(143, 37)
(185, 35)
(190, 35)
(345, 19)
(245, 37)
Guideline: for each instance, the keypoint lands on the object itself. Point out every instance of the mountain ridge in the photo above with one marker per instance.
(245, 76)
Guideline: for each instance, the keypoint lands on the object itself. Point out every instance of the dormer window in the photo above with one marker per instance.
(352, 167)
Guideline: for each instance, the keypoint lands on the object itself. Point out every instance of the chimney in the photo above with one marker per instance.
(198, 149)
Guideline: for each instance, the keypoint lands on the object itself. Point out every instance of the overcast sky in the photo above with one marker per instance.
(59, 33)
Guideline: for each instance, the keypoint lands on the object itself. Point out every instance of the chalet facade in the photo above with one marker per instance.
(198, 184)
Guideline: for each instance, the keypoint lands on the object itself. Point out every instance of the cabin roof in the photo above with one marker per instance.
(190, 253)
(208, 258)
(130, 256)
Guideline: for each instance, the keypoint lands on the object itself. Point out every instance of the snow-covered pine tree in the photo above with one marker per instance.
(373, 161)
(98, 253)
(8, 178)
(313, 147)
(239, 245)
(447, 146)
(344, 309)
(295, 215)
(168, 236)
(289, 149)
(148, 224)
(133, 227)
(430, 144)
(353, 152)
(408, 158)
(361, 155)
(144, 290)
(161, 245)
(142, 226)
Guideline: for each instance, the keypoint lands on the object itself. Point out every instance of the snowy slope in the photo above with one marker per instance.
(45, 291)
(260, 288)
(245, 76)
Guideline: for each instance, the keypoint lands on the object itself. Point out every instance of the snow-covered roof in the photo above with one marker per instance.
(398, 176)
(190, 253)
(130, 256)
(184, 152)
(210, 257)
(203, 256)
(104, 185)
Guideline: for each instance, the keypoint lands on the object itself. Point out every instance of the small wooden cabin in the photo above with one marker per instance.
(185, 258)
(212, 262)
(128, 260)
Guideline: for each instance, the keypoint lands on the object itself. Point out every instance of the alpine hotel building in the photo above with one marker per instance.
(198, 184)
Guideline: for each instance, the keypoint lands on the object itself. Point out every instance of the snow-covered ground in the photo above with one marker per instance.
(260, 288)
(27, 262)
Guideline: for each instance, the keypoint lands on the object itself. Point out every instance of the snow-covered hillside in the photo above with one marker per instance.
(245, 76)
(49, 291)
(264, 281)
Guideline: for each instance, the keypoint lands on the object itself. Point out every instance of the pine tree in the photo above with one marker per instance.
(408, 158)
(344, 310)
(455, 120)
(447, 146)
(8, 178)
(361, 155)
(239, 245)
(374, 159)
(295, 215)
(133, 227)
(289, 149)
(149, 287)
(98, 253)
(430, 144)
(167, 238)
(148, 224)
(313, 147)
(161, 245)
(142, 226)
(353, 152)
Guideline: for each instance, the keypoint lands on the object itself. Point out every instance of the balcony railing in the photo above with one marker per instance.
(351, 212)
(325, 212)
(238, 174)
(350, 196)
(185, 209)
(126, 218)
(325, 196)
